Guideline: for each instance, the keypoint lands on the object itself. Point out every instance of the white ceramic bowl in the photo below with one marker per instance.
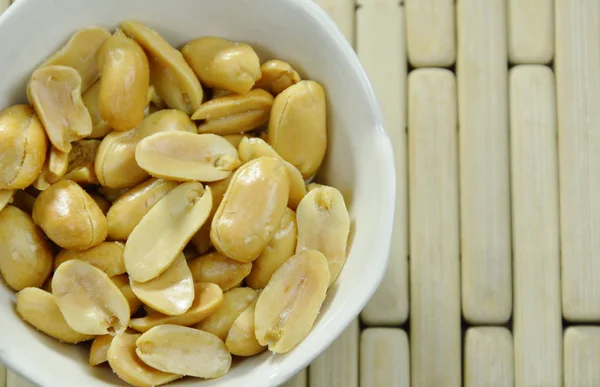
(359, 160)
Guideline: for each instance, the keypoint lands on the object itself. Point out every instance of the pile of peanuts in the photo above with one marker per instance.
(155, 201)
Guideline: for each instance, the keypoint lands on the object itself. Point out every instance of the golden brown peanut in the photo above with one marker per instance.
(81, 162)
(115, 161)
(107, 256)
(80, 53)
(241, 339)
(112, 194)
(324, 225)
(25, 254)
(122, 282)
(277, 76)
(288, 307)
(223, 64)
(218, 269)
(185, 351)
(235, 301)
(161, 235)
(6, 196)
(99, 350)
(298, 126)
(235, 139)
(172, 77)
(24, 201)
(243, 224)
(100, 127)
(69, 216)
(127, 211)
(252, 148)
(55, 167)
(55, 93)
(102, 203)
(208, 298)
(127, 365)
(234, 113)
(23, 145)
(183, 156)
(90, 302)
(38, 308)
(281, 247)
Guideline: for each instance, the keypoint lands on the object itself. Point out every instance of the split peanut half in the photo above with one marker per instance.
(122, 282)
(100, 127)
(241, 339)
(99, 349)
(6, 197)
(276, 76)
(219, 270)
(107, 256)
(81, 162)
(55, 167)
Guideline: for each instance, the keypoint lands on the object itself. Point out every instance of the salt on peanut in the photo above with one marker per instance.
(55, 167)
(218, 269)
(241, 339)
(281, 247)
(107, 256)
(55, 93)
(207, 299)
(122, 282)
(185, 351)
(6, 196)
(81, 162)
(99, 350)
(127, 211)
(69, 216)
(288, 307)
(39, 308)
(234, 113)
(165, 230)
(100, 127)
(220, 63)
(276, 76)
(23, 145)
(90, 302)
(324, 225)
(115, 163)
(25, 254)
(298, 126)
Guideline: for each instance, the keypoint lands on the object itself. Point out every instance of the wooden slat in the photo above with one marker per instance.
(582, 356)
(430, 32)
(530, 31)
(338, 365)
(300, 380)
(484, 161)
(537, 320)
(489, 358)
(380, 45)
(14, 380)
(384, 358)
(342, 13)
(435, 331)
(578, 95)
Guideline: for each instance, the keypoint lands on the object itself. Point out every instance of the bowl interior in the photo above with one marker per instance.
(359, 161)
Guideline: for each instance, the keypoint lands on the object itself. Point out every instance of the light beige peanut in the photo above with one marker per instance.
(288, 307)
(241, 339)
(185, 351)
(130, 368)
(207, 299)
(90, 302)
(235, 301)
(55, 167)
(69, 216)
(25, 254)
(244, 223)
(6, 197)
(171, 75)
(281, 247)
(112, 194)
(80, 53)
(99, 350)
(107, 256)
(234, 113)
(39, 308)
(311, 186)
(127, 211)
(155, 99)
(115, 163)
(55, 93)
(220, 63)
(124, 82)
(324, 225)
(276, 76)
(23, 145)
(100, 127)
(218, 269)
(122, 282)
(81, 162)
(183, 156)
(298, 126)
(165, 230)
(102, 203)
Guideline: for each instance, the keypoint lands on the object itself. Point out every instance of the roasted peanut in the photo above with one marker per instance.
(81, 162)
(69, 216)
(25, 254)
(124, 82)
(100, 127)
(122, 282)
(276, 76)
(23, 145)
(223, 64)
(235, 139)
(324, 225)
(161, 235)
(185, 156)
(55, 93)
(112, 194)
(219, 270)
(251, 210)
(311, 186)
(216, 93)
(55, 167)
(234, 113)
(90, 302)
(288, 307)
(298, 126)
(99, 349)
(241, 339)
(115, 161)
(6, 196)
(107, 256)
(102, 203)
